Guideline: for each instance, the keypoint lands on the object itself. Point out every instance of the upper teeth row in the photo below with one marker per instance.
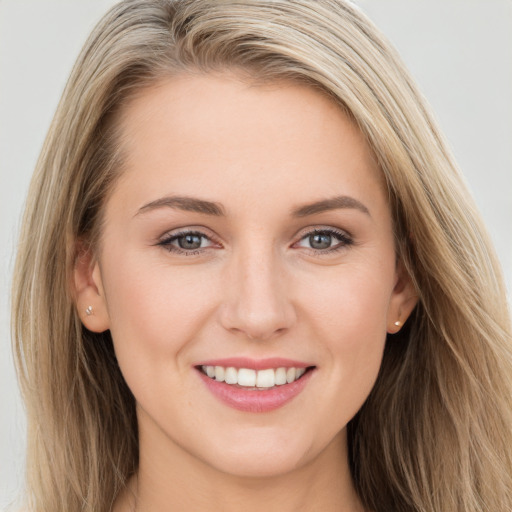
(254, 378)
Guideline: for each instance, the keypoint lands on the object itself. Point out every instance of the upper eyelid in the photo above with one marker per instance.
(322, 229)
(198, 230)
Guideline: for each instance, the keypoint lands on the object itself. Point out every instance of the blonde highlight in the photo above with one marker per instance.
(436, 431)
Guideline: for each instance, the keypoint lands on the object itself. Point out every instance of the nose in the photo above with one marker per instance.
(256, 297)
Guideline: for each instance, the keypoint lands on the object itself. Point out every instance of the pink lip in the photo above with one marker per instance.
(254, 400)
(255, 364)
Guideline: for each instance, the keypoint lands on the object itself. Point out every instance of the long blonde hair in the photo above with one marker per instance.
(435, 433)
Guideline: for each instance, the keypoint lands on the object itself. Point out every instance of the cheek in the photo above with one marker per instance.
(154, 309)
(348, 315)
(350, 303)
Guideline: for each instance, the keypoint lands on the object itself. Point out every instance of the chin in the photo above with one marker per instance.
(259, 456)
(261, 465)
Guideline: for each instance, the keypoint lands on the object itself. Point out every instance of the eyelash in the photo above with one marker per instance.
(167, 242)
(344, 241)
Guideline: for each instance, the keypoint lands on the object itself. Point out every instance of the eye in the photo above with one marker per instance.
(325, 240)
(186, 242)
(190, 241)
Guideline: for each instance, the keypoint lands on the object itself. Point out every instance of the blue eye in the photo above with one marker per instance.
(187, 241)
(190, 241)
(320, 240)
(325, 240)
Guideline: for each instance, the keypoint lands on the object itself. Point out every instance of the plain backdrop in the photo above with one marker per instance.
(459, 51)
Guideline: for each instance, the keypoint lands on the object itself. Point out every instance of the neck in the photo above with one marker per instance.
(178, 481)
(170, 478)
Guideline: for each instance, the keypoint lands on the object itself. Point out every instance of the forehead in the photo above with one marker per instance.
(219, 132)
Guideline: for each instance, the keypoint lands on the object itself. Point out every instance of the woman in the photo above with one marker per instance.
(264, 281)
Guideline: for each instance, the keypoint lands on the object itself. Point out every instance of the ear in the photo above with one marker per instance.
(403, 300)
(88, 291)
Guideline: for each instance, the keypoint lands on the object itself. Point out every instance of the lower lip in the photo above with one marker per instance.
(255, 400)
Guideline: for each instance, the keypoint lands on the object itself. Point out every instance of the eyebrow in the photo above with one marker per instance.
(189, 204)
(334, 203)
(192, 204)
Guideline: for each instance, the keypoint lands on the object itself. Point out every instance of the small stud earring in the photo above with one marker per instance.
(398, 323)
(89, 311)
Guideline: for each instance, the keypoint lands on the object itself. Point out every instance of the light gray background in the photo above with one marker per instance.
(459, 51)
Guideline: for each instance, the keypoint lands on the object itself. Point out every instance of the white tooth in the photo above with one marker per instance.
(266, 378)
(210, 371)
(290, 375)
(300, 372)
(280, 376)
(246, 377)
(219, 373)
(231, 375)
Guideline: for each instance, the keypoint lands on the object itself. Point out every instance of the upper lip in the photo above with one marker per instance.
(255, 364)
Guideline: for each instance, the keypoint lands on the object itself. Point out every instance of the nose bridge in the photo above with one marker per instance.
(257, 303)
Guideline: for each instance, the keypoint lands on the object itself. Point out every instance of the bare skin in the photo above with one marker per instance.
(309, 488)
(250, 222)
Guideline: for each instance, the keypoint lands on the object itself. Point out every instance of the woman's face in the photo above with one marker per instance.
(249, 230)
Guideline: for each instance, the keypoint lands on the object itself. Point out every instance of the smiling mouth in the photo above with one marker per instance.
(257, 380)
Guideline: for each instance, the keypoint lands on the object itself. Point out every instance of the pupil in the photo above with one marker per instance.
(320, 241)
(190, 242)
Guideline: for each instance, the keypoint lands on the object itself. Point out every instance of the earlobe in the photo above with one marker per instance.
(403, 301)
(89, 294)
